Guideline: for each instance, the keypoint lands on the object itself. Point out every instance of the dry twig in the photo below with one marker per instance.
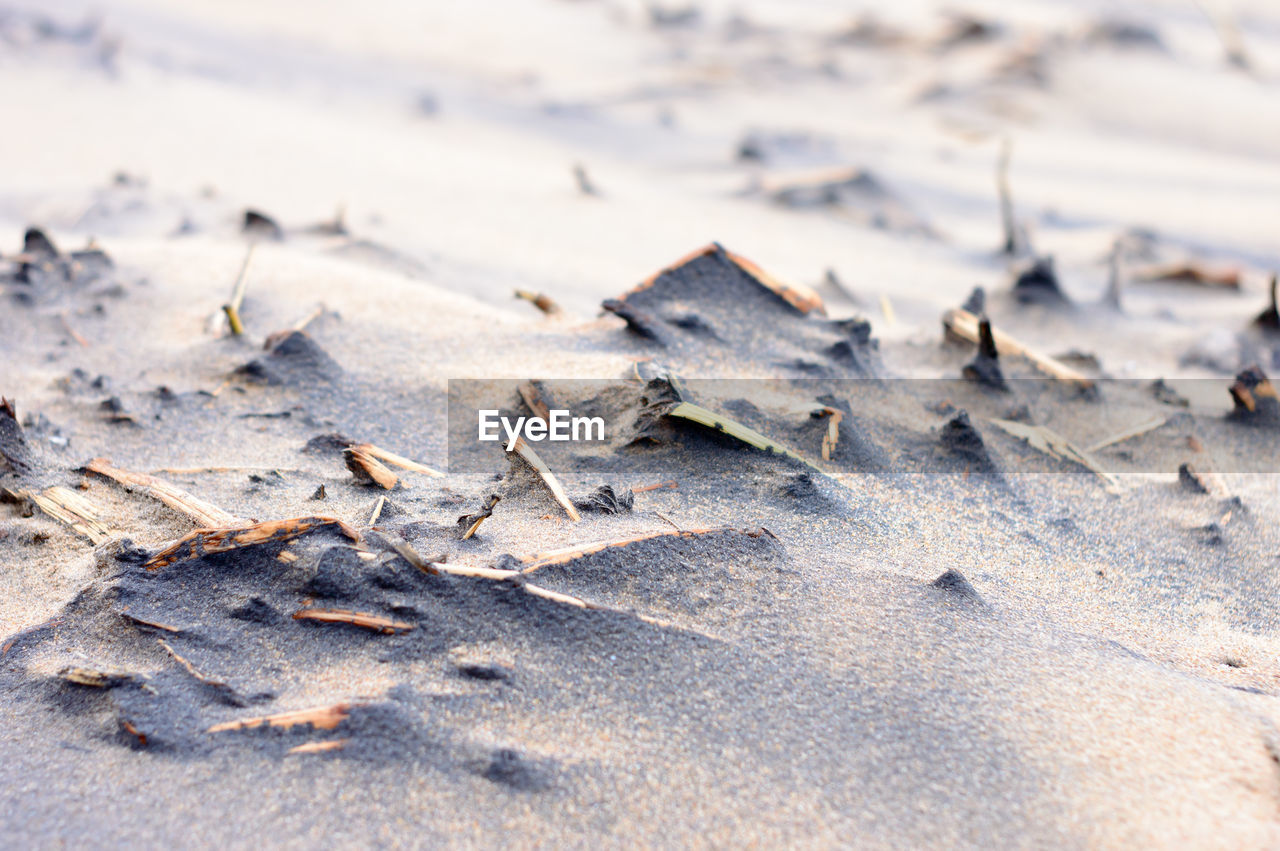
(203, 542)
(320, 717)
(204, 513)
(526, 452)
(377, 623)
(232, 308)
(963, 324)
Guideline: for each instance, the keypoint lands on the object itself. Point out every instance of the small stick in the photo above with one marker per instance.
(672, 484)
(377, 510)
(204, 513)
(579, 603)
(476, 572)
(149, 624)
(1191, 273)
(397, 460)
(479, 517)
(526, 452)
(567, 554)
(1006, 197)
(529, 393)
(585, 186)
(886, 310)
(665, 519)
(965, 325)
(191, 669)
(410, 555)
(320, 747)
(1229, 35)
(542, 301)
(301, 324)
(134, 731)
(1136, 431)
(832, 437)
(320, 717)
(188, 471)
(74, 334)
(365, 620)
(1055, 445)
(232, 308)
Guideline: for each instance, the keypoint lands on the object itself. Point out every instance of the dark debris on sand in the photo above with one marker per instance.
(714, 306)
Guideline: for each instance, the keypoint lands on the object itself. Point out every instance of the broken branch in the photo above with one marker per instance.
(204, 542)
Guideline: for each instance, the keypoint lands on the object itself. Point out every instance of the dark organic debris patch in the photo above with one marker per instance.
(1254, 399)
(985, 366)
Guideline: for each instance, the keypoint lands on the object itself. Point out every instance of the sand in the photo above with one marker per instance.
(935, 636)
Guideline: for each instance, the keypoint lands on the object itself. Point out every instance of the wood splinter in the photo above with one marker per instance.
(319, 747)
(232, 308)
(365, 620)
(367, 469)
(396, 460)
(525, 451)
(567, 554)
(832, 437)
(320, 717)
(204, 513)
(671, 484)
(532, 397)
(70, 508)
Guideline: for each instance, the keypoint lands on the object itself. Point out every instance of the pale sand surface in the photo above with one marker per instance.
(1115, 683)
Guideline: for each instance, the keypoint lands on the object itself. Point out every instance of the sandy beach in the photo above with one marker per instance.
(935, 501)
